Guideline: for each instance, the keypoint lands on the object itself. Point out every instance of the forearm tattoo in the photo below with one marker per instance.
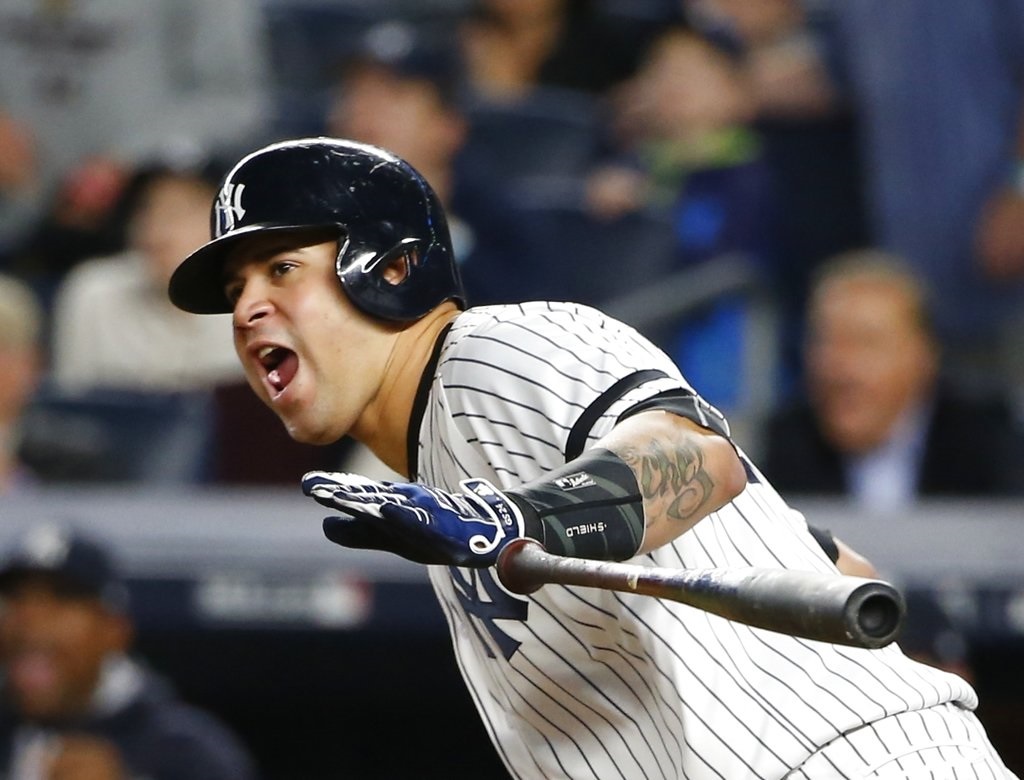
(672, 479)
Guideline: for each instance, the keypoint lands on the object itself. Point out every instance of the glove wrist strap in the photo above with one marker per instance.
(589, 508)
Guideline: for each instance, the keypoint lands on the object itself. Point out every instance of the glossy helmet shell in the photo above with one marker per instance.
(380, 207)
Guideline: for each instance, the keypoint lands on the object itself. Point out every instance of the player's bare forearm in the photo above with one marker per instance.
(685, 472)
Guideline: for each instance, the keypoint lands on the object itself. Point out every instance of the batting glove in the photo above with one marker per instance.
(420, 523)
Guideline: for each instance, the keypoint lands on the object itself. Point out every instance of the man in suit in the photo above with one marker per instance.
(880, 423)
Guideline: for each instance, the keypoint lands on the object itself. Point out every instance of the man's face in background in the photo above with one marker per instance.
(53, 643)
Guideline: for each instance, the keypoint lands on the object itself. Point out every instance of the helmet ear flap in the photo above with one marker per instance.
(386, 284)
(392, 267)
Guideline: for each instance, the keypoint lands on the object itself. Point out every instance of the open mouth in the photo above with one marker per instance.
(281, 364)
(32, 672)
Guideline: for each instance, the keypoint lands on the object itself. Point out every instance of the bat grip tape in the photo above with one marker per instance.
(589, 508)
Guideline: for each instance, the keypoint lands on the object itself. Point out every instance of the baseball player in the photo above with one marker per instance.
(552, 421)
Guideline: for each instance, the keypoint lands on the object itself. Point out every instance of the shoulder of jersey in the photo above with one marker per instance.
(539, 315)
(502, 336)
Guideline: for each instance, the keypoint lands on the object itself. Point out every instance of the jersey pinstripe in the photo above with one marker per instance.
(586, 683)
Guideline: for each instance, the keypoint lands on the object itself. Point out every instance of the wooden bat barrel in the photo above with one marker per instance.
(834, 608)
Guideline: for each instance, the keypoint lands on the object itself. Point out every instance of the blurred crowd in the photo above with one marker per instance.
(688, 165)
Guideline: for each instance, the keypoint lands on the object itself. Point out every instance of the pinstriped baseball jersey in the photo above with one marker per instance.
(588, 683)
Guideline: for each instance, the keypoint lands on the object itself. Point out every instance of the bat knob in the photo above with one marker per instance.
(513, 572)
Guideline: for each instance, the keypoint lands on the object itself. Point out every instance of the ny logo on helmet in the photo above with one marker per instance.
(229, 207)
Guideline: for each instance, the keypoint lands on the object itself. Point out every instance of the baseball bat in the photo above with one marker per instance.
(834, 608)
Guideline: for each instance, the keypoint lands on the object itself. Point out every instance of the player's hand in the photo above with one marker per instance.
(420, 523)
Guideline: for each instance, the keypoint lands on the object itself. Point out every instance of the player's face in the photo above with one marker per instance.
(52, 648)
(308, 353)
(868, 361)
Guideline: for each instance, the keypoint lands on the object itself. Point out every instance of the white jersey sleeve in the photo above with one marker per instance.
(588, 683)
(519, 380)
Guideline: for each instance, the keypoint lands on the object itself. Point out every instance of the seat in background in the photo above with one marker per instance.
(117, 436)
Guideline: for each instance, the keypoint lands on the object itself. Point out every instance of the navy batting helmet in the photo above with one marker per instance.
(381, 208)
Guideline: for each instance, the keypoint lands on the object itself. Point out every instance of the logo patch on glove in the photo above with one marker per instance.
(499, 505)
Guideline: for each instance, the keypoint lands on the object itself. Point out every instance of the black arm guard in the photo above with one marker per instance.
(589, 508)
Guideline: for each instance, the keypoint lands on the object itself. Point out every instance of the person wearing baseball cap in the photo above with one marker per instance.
(74, 565)
(73, 703)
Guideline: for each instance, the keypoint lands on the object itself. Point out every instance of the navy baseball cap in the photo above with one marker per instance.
(398, 47)
(75, 564)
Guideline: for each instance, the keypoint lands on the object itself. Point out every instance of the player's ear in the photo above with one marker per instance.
(397, 271)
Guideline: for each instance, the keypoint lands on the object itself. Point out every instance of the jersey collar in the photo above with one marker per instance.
(419, 404)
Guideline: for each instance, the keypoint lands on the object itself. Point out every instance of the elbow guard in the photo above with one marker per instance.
(589, 508)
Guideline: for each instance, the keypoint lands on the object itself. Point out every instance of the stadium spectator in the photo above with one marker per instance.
(114, 328)
(21, 354)
(75, 704)
(684, 125)
(881, 423)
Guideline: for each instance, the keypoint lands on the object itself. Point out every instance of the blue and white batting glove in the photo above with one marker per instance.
(420, 523)
(590, 507)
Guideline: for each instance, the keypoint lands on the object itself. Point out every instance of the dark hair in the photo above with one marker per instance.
(206, 171)
(884, 266)
(408, 53)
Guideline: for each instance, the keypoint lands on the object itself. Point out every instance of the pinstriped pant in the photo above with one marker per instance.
(944, 742)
